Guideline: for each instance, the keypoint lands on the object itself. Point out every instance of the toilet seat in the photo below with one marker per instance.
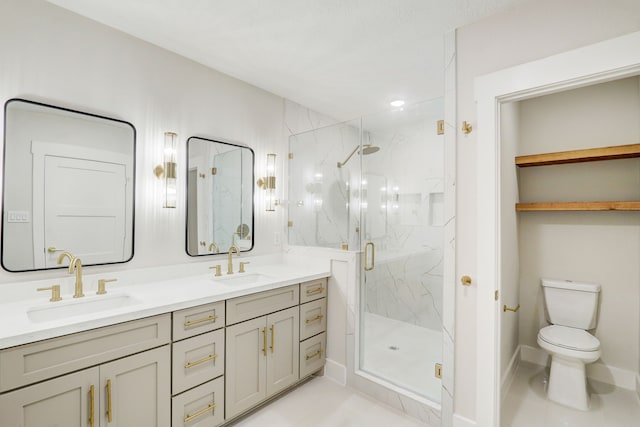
(569, 338)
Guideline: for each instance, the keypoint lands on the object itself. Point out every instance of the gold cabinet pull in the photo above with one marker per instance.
(465, 280)
(200, 361)
(264, 341)
(515, 310)
(109, 409)
(195, 322)
(314, 319)
(53, 250)
(316, 354)
(273, 336)
(368, 267)
(92, 395)
(315, 291)
(201, 412)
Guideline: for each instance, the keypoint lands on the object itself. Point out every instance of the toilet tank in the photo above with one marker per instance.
(573, 304)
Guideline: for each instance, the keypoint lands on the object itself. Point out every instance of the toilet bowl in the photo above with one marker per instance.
(570, 349)
(571, 308)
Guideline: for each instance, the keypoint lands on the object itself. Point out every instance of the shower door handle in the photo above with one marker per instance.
(368, 267)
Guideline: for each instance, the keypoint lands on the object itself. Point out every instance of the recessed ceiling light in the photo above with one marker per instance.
(397, 103)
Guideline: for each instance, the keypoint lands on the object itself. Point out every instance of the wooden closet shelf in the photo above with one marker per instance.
(578, 206)
(579, 156)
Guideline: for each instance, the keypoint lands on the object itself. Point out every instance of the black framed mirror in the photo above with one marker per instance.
(68, 185)
(220, 193)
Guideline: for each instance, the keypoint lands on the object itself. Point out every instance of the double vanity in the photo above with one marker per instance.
(194, 350)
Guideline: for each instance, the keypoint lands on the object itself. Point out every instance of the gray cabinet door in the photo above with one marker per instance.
(65, 401)
(246, 362)
(284, 346)
(136, 390)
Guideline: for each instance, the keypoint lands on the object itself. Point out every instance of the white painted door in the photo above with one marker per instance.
(64, 401)
(138, 389)
(84, 209)
(284, 346)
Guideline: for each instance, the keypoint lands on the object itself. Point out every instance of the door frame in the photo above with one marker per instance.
(601, 62)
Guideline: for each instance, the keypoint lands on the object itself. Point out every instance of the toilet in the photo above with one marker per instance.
(571, 309)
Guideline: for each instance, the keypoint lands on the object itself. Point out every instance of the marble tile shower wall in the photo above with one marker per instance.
(408, 287)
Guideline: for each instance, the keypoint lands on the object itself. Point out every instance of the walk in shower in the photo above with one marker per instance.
(376, 185)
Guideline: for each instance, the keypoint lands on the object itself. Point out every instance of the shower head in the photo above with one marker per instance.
(366, 149)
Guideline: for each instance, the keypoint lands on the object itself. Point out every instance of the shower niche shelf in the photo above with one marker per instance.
(579, 156)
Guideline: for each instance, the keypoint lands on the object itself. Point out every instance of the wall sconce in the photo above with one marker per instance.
(268, 183)
(167, 170)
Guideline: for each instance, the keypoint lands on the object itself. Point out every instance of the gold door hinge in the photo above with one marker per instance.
(290, 156)
(496, 295)
(214, 171)
(438, 370)
(290, 224)
(440, 127)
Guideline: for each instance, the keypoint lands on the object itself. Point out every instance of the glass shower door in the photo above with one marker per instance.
(401, 232)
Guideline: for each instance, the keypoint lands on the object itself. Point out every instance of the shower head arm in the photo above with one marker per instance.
(348, 157)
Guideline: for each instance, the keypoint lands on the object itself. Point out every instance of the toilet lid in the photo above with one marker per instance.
(571, 338)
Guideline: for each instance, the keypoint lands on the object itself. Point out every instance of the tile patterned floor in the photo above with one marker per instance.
(324, 403)
(526, 405)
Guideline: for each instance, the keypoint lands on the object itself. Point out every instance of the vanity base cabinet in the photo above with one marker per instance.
(262, 359)
(134, 391)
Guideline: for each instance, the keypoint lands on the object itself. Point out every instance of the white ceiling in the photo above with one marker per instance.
(344, 58)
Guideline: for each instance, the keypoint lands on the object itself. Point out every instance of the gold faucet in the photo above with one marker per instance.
(75, 265)
(230, 264)
(214, 245)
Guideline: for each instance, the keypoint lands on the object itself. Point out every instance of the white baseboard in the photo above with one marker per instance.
(509, 374)
(596, 371)
(335, 371)
(460, 421)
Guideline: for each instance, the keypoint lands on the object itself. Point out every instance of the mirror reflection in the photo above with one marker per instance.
(68, 186)
(219, 197)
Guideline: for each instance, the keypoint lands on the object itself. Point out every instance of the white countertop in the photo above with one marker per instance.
(149, 297)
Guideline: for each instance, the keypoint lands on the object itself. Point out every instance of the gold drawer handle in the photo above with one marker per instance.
(315, 291)
(315, 319)
(195, 322)
(201, 361)
(264, 341)
(316, 354)
(200, 413)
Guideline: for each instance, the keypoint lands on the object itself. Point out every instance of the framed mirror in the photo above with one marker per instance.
(68, 185)
(219, 197)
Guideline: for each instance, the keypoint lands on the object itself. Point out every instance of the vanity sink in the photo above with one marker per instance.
(79, 307)
(243, 279)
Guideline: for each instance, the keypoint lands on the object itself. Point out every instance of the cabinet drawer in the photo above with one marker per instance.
(313, 290)
(256, 305)
(312, 354)
(313, 318)
(202, 406)
(197, 360)
(41, 360)
(197, 320)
